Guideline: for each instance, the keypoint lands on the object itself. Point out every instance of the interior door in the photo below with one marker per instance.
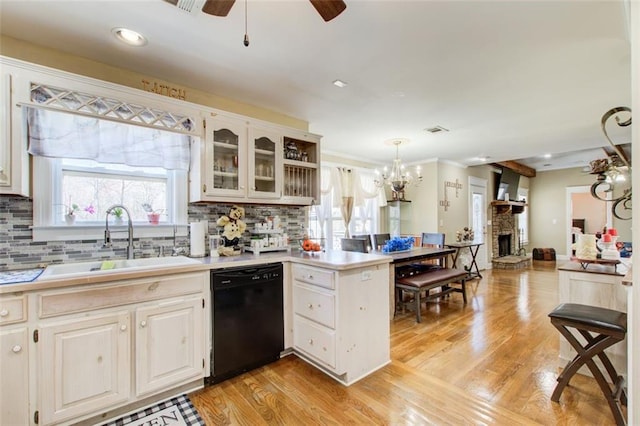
(478, 217)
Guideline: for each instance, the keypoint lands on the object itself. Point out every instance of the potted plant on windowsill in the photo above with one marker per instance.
(117, 215)
(152, 215)
(72, 208)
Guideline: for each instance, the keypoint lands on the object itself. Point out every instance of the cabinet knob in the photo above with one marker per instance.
(4, 313)
(310, 305)
(123, 327)
(16, 349)
(143, 323)
(311, 341)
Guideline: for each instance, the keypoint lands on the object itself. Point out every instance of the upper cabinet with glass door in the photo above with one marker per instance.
(265, 163)
(242, 159)
(224, 159)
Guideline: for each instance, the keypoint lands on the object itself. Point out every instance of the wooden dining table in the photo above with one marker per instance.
(415, 255)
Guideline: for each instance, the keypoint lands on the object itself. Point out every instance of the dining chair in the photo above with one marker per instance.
(434, 240)
(379, 240)
(366, 237)
(354, 244)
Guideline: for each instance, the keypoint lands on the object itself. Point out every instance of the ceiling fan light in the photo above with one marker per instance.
(130, 37)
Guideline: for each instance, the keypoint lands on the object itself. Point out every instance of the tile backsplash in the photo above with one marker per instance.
(18, 250)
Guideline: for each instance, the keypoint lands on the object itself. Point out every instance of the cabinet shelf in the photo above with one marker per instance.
(265, 152)
(265, 178)
(225, 174)
(297, 163)
(226, 146)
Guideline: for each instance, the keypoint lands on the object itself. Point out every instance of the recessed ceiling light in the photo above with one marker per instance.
(547, 156)
(340, 83)
(130, 37)
(483, 159)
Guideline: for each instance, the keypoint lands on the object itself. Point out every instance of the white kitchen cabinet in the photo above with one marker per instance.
(103, 346)
(223, 162)
(242, 159)
(169, 344)
(84, 365)
(14, 361)
(14, 160)
(301, 168)
(341, 319)
(265, 163)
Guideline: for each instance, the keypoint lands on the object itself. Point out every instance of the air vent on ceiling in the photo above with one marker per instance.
(436, 129)
(190, 6)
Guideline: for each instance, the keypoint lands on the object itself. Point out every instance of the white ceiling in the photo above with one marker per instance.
(510, 79)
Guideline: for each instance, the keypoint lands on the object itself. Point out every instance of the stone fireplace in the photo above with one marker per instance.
(504, 234)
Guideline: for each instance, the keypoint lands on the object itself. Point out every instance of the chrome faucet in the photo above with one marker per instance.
(107, 233)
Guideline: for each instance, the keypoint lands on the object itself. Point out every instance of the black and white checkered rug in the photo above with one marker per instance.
(173, 412)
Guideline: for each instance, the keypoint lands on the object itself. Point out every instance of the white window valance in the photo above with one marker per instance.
(58, 134)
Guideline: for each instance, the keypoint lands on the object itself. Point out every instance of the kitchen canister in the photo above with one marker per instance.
(196, 239)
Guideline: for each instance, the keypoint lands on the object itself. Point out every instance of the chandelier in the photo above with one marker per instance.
(399, 177)
(615, 170)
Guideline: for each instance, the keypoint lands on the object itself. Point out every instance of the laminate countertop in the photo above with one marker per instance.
(336, 260)
(594, 268)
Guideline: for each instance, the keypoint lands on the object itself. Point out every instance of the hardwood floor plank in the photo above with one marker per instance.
(492, 361)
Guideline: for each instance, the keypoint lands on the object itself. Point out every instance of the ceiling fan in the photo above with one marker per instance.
(328, 9)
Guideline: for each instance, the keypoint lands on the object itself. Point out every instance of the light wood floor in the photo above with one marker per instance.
(492, 361)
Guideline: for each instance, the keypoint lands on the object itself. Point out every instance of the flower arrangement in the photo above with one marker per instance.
(150, 210)
(72, 208)
(152, 215)
(465, 234)
(398, 244)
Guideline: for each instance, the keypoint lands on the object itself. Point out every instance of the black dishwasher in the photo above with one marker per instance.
(248, 319)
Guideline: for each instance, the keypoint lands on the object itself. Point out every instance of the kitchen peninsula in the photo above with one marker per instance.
(595, 285)
(336, 317)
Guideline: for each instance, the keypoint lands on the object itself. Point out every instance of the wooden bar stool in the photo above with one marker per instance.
(601, 328)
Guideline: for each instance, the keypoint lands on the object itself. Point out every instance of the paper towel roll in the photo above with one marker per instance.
(196, 238)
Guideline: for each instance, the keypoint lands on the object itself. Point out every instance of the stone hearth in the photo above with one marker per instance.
(511, 262)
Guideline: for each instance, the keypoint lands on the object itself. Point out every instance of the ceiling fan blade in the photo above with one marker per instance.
(329, 9)
(218, 7)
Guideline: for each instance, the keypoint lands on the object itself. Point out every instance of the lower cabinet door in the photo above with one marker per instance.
(84, 365)
(169, 344)
(14, 372)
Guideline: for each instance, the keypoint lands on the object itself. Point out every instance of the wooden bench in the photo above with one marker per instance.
(428, 280)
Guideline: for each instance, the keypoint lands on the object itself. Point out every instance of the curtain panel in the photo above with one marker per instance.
(58, 134)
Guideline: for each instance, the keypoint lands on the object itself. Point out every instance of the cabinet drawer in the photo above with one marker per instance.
(320, 277)
(13, 309)
(117, 294)
(314, 305)
(315, 340)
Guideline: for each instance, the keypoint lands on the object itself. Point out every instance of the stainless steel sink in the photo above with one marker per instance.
(70, 270)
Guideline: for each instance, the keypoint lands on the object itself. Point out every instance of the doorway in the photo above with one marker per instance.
(586, 212)
(478, 217)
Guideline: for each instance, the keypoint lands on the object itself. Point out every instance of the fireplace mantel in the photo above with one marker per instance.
(513, 207)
